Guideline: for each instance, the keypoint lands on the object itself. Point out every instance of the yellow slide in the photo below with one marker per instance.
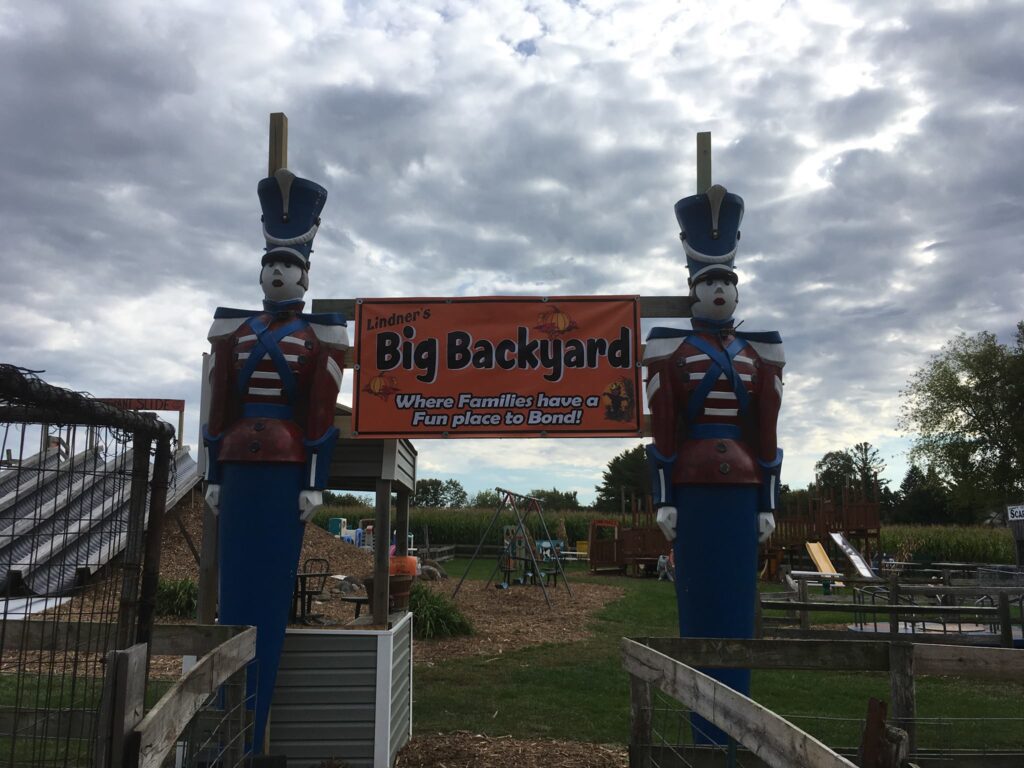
(822, 561)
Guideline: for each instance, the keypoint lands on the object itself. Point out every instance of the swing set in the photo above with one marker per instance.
(519, 562)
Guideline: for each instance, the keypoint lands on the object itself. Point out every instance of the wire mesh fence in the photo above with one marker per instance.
(75, 488)
(221, 732)
(677, 733)
(935, 709)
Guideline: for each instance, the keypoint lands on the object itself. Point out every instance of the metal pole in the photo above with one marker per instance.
(477, 552)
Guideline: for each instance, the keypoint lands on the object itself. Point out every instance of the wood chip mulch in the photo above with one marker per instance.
(466, 750)
(506, 619)
(178, 562)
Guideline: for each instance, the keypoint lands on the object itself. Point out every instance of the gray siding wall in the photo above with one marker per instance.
(325, 700)
(401, 689)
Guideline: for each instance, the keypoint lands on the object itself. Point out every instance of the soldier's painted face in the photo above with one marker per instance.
(283, 281)
(715, 297)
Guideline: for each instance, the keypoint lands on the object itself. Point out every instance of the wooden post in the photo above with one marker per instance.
(402, 522)
(901, 687)
(703, 161)
(641, 705)
(278, 155)
(805, 618)
(381, 544)
(121, 708)
(1005, 626)
(882, 746)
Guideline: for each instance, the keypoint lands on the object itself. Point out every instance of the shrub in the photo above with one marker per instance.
(949, 543)
(435, 615)
(177, 597)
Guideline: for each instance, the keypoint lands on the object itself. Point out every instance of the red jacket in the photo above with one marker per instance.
(718, 427)
(274, 381)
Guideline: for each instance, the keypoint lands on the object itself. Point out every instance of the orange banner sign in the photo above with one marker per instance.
(497, 367)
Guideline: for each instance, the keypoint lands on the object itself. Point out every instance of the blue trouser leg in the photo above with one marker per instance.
(259, 542)
(716, 575)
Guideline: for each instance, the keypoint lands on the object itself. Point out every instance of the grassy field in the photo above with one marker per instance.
(578, 691)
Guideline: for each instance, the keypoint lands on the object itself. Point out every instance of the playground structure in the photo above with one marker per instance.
(633, 549)
(520, 554)
(848, 521)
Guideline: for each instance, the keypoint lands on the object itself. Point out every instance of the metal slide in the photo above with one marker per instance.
(55, 522)
(853, 555)
(822, 561)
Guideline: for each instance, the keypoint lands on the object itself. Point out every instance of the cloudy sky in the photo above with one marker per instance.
(506, 147)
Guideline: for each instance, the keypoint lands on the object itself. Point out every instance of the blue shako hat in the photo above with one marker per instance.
(709, 227)
(291, 216)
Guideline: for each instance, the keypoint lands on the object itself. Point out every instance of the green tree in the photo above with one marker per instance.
(555, 499)
(486, 499)
(836, 470)
(868, 467)
(439, 494)
(922, 498)
(455, 496)
(627, 473)
(964, 409)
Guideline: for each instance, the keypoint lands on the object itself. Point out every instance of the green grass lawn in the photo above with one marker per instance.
(578, 691)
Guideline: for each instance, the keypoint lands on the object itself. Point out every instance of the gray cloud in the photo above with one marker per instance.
(521, 149)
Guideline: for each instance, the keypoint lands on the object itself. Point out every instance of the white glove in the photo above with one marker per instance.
(213, 498)
(765, 526)
(309, 502)
(667, 522)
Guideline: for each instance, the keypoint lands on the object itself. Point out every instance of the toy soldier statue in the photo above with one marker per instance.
(274, 381)
(714, 394)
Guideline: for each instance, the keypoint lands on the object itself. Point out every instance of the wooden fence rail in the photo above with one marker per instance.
(773, 739)
(668, 663)
(998, 614)
(159, 730)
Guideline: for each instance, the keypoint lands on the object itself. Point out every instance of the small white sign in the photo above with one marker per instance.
(1015, 513)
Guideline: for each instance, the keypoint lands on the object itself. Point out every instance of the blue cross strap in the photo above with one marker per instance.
(721, 362)
(267, 344)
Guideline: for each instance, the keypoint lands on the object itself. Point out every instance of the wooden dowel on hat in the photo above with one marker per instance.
(703, 161)
(278, 157)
